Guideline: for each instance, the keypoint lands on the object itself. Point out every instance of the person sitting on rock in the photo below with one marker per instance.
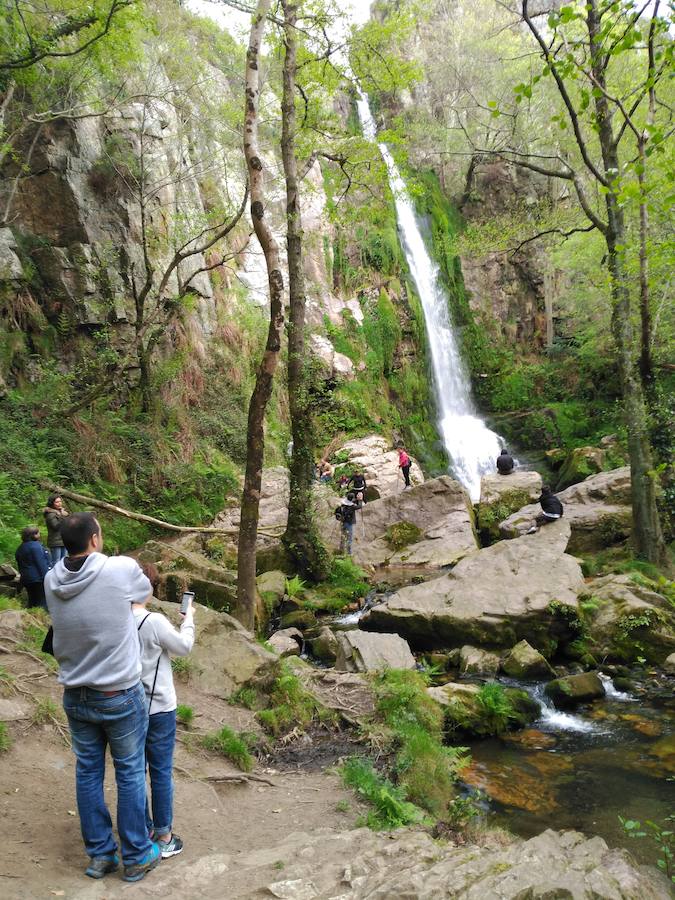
(505, 462)
(34, 562)
(358, 482)
(325, 471)
(404, 463)
(346, 515)
(551, 509)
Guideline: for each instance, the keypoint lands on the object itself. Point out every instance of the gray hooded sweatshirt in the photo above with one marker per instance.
(95, 638)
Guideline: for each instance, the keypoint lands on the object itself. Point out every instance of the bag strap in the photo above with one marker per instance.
(154, 681)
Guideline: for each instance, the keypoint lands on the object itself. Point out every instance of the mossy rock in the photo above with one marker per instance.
(214, 594)
(491, 514)
(402, 534)
(574, 689)
(580, 464)
(492, 709)
(299, 618)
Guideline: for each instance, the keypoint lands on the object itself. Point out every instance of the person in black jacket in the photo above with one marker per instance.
(347, 517)
(34, 563)
(358, 482)
(505, 462)
(551, 509)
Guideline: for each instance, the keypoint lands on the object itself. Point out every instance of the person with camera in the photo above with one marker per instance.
(95, 642)
(159, 639)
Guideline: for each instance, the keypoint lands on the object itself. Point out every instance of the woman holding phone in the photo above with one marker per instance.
(158, 639)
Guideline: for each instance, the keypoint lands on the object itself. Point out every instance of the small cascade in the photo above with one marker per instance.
(470, 444)
(612, 693)
(555, 719)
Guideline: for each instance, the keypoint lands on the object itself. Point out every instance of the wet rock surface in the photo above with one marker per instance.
(574, 689)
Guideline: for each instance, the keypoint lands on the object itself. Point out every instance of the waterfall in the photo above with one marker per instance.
(470, 444)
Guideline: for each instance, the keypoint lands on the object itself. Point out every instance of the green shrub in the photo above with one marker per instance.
(5, 739)
(183, 667)
(235, 747)
(291, 706)
(390, 807)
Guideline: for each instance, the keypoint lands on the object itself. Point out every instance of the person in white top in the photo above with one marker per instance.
(158, 639)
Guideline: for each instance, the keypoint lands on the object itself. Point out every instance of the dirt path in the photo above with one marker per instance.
(41, 853)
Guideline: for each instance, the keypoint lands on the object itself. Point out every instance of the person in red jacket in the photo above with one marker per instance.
(404, 463)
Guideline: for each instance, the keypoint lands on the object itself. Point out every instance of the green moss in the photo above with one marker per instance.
(491, 514)
(401, 534)
(289, 705)
(492, 711)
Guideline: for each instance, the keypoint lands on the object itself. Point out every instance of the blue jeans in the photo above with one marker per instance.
(57, 553)
(346, 538)
(120, 722)
(159, 746)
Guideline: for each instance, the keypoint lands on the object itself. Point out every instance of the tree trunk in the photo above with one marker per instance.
(646, 364)
(301, 538)
(647, 535)
(255, 436)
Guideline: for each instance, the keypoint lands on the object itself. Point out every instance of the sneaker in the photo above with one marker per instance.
(101, 865)
(170, 848)
(531, 530)
(141, 869)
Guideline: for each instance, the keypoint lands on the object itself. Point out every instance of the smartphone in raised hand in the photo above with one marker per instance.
(186, 602)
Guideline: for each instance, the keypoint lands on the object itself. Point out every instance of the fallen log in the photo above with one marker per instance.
(141, 517)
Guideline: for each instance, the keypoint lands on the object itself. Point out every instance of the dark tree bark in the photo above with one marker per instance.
(255, 437)
(301, 538)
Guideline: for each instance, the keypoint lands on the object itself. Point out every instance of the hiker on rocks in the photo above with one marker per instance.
(505, 462)
(551, 509)
(158, 639)
(325, 471)
(33, 561)
(346, 515)
(89, 596)
(343, 481)
(54, 513)
(404, 463)
(358, 482)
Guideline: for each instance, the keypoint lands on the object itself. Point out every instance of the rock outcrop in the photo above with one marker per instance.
(579, 464)
(598, 511)
(225, 656)
(474, 661)
(493, 597)
(627, 619)
(374, 456)
(360, 651)
(440, 511)
(501, 495)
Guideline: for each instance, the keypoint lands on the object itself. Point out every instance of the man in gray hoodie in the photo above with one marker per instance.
(89, 597)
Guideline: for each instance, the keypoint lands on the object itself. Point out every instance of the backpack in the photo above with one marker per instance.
(338, 513)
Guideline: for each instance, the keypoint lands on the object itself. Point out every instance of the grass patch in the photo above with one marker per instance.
(183, 667)
(185, 714)
(5, 739)
(233, 746)
(45, 711)
(291, 706)
(423, 767)
(390, 807)
(492, 711)
(246, 697)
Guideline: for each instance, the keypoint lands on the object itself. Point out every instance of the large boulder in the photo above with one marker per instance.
(374, 456)
(669, 664)
(472, 711)
(287, 642)
(225, 656)
(523, 661)
(359, 651)
(274, 496)
(332, 364)
(598, 511)
(494, 597)
(627, 619)
(574, 689)
(324, 644)
(436, 514)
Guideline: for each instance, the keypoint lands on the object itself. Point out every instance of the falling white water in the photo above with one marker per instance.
(613, 693)
(470, 444)
(556, 720)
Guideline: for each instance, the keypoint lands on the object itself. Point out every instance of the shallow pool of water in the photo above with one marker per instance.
(582, 772)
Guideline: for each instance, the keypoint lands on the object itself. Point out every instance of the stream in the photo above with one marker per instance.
(582, 770)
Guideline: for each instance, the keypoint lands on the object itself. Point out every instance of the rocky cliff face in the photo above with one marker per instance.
(512, 291)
